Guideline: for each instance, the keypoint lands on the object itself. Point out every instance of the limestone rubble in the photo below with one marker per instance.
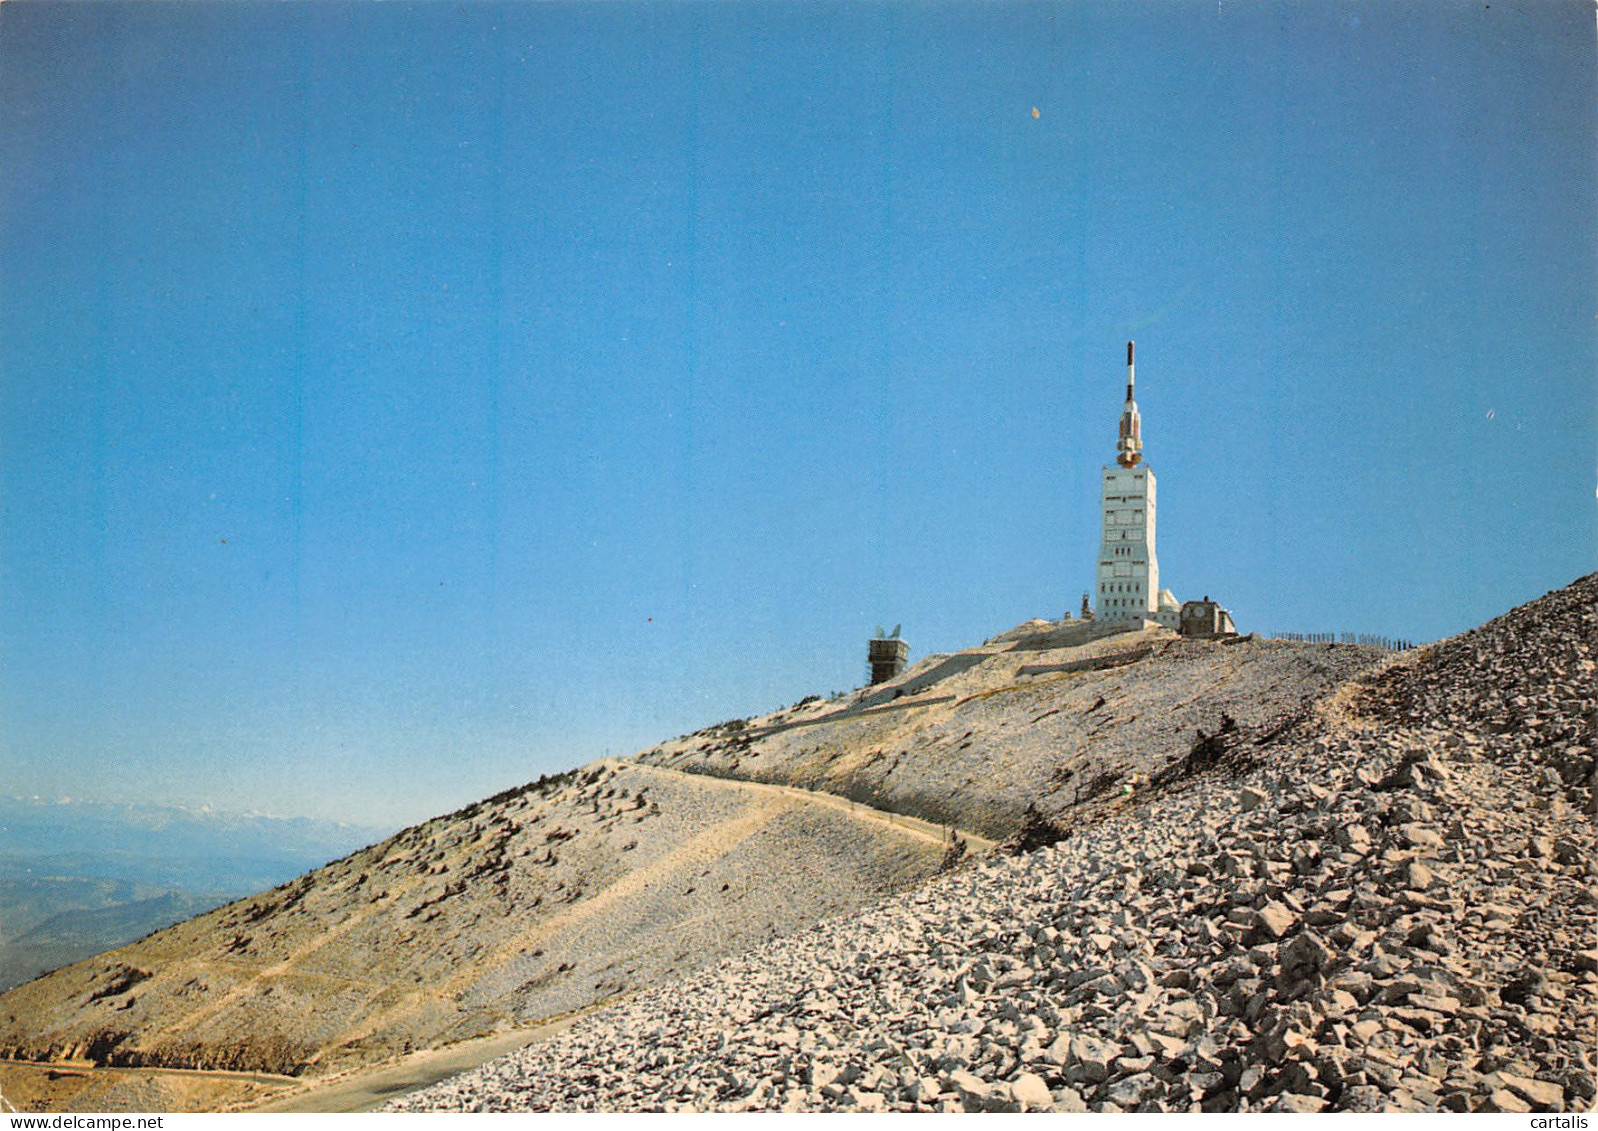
(1393, 909)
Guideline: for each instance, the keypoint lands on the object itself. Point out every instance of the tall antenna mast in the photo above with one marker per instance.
(1129, 448)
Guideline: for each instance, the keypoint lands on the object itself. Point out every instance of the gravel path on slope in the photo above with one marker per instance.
(898, 822)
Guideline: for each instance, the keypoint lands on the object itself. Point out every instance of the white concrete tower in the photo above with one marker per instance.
(1129, 573)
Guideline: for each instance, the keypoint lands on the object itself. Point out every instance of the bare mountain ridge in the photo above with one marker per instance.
(521, 908)
(1391, 908)
(67, 936)
(552, 898)
(1064, 717)
(78, 877)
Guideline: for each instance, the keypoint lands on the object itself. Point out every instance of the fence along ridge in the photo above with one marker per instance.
(1364, 639)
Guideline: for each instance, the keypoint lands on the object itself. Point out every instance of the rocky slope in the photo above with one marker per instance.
(79, 932)
(1058, 716)
(548, 900)
(1390, 906)
(79, 877)
(538, 902)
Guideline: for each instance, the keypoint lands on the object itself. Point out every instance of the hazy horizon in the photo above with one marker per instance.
(402, 401)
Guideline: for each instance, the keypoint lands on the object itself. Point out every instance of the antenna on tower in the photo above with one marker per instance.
(1130, 447)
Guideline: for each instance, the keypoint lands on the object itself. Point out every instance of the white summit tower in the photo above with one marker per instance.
(1129, 571)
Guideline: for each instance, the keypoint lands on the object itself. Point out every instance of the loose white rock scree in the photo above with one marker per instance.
(1393, 910)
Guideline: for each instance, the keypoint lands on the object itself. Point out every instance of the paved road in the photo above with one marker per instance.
(366, 1089)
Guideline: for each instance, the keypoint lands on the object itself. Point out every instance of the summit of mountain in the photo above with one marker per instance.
(577, 893)
(1388, 906)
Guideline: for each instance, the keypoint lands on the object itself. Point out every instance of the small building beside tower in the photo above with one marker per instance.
(1206, 618)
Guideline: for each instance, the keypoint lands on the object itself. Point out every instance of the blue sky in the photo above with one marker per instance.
(398, 401)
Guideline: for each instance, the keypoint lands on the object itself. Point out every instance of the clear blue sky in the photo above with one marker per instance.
(398, 401)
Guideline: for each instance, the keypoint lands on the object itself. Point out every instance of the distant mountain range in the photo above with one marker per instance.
(80, 877)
